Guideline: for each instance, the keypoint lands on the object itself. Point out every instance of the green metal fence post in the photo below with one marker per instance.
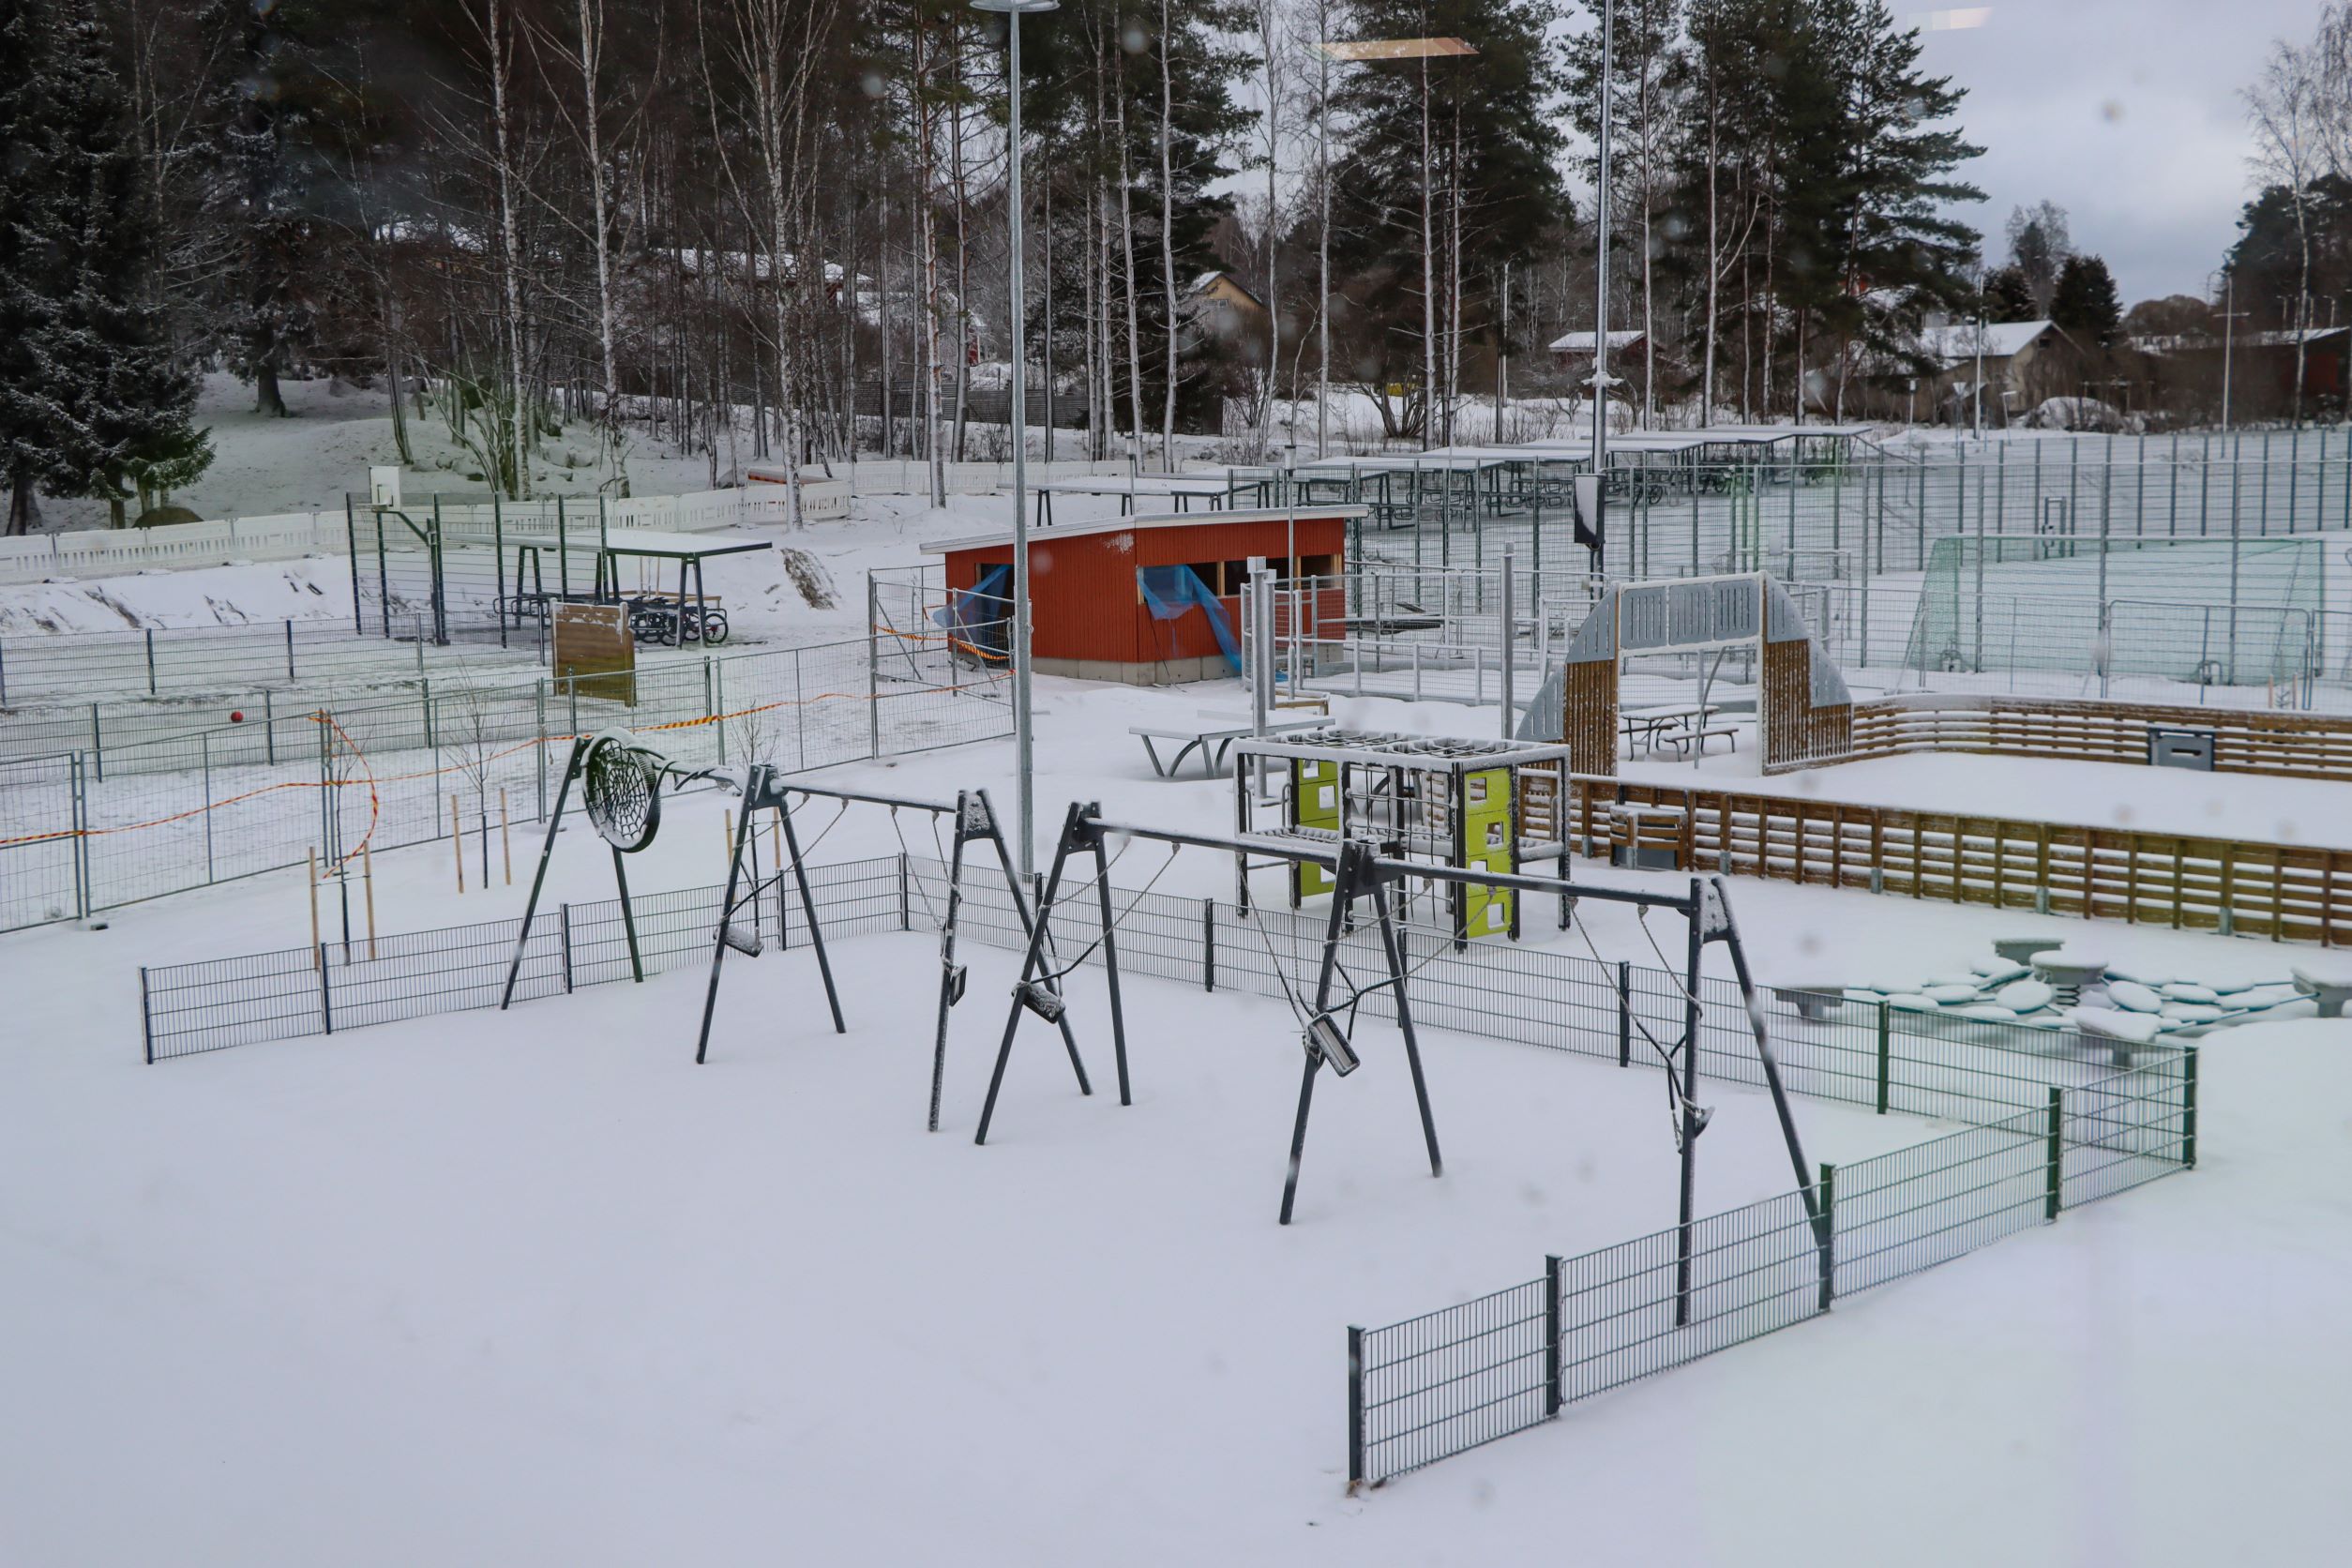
(2189, 1109)
(2055, 1161)
(1355, 1406)
(1829, 1228)
(1555, 1276)
(1885, 1054)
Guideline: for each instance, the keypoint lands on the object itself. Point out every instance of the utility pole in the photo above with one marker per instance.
(1024, 758)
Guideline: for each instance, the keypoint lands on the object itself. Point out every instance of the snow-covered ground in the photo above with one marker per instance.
(531, 1287)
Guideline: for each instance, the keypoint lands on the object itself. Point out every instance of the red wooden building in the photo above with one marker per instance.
(1152, 600)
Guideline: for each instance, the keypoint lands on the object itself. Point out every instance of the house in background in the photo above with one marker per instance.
(2023, 363)
(1219, 305)
(1572, 353)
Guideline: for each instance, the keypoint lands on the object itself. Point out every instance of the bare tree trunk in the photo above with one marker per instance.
(963, 248)
(590, 59)
(1167, 244)
(1714, 253)
(501, 62)
(1428, 275)
(925, 133)
(1322, 243)
(1127, 241)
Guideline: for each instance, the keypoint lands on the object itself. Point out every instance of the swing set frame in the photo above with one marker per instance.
(1360, 871)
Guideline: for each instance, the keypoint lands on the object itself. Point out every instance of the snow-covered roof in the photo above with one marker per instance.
(1581, 342)
(1120, 525)
(1201, 284)
(1951, 344)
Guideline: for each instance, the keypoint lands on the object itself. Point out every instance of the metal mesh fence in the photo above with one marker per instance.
(190, 1009)
(1438, 1383)
(115, 823)
(1432, 1386)
(1838, 516)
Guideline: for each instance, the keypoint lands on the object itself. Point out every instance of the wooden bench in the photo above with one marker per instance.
(1676, 740)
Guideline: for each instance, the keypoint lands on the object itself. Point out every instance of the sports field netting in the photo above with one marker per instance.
(2210, 611)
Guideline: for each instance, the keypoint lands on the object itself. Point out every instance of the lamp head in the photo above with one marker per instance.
(1017, 8)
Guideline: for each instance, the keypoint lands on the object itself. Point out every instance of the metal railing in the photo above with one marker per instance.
(92, 828)
(1435, 1385)
(2052, 1126)
(297, 992)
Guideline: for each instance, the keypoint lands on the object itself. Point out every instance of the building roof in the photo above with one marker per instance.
(1121, 525)
(1581, 342)
(1207, 280)
(2001, 339)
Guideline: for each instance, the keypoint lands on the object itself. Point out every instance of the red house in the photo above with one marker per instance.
(1153, 601)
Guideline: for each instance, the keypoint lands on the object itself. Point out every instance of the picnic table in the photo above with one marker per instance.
(1212, 737)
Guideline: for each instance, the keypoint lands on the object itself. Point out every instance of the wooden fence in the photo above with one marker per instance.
(2282, 745)
(2284, 891)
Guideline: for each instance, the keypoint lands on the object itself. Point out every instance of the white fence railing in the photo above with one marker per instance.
(110, 553)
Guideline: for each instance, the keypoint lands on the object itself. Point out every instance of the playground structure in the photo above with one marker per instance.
(1359, 870)
(1804, 710)
(1486, 805)
(1148, 601)
(621, 784)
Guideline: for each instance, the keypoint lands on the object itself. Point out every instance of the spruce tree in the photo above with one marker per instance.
(2007, 296)
(32, 418)
(1491, 137)
(2084, 301)
(127, 395)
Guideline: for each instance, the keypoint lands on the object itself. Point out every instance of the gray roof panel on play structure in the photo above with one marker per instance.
(1681, 615)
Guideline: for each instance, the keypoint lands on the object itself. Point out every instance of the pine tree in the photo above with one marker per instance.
(2008, 296)
(1426, 140)
(2084, 301)
(31, 414)
(131, 399)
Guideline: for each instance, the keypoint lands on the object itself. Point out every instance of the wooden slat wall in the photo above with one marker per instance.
(2284, 891)
(2287, 746)
(1796, 733)
(1588, 716)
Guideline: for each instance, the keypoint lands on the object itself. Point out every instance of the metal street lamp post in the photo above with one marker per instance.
(1024, 760)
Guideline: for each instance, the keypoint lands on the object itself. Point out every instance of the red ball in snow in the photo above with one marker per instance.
(237, 715)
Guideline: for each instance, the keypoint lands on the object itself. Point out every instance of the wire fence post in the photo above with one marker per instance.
(327, 999)
(1624, 1013)
(1827, 1192)
(84, 897)
(1885, 1054)
(873, 673)
(2054, 1180)
(1555, 1278)
(150, 639)
(2189, 1109)
(564, 930)
(1207, 945)
(290, 651)
(147, 1019)
(905, 915)
(1355, 1406)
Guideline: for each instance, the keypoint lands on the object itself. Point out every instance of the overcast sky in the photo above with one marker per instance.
(2126, 115)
